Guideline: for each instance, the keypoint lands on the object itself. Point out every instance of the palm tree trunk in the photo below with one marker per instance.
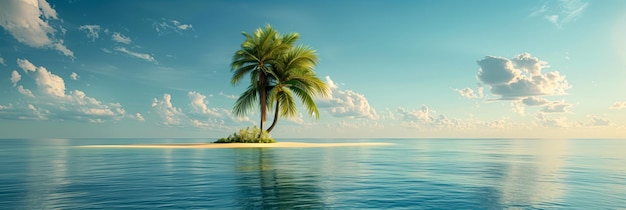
(275, 117)
(262, 97)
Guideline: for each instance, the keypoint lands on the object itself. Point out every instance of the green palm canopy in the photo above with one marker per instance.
(278, 71)
(294, 75)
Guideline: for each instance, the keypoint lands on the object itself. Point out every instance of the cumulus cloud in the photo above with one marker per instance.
(549, 121)
(25, 91)
(520, 77)
(170, 114)
(139, 117)
(596, 121)
(15, 77)
(346, 103)
(618, 105)
(52, 101)
(556, 107)
(120, 38)
(522, 81)
(30, 23)
(143, 56)
(535, 101)
(167, 26)
(93, 31)
(26, 65)
(2, 61)
(28, 112)
(74, 76)
(470, 93)
(199, 115)
(428, 118)
(49, 83)
(560, 12)
(592, 121)
(199, 104)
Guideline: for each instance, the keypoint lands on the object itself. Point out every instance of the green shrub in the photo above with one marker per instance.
(248, 135)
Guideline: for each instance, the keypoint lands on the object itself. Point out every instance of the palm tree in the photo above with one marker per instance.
(256, 57)
(294, 75)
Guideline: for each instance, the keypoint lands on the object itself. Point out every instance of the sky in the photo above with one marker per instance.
(396, 69)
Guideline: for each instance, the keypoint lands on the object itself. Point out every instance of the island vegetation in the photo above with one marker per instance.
(279, 70)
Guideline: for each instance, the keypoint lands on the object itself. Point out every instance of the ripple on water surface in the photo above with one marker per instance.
(412, 174)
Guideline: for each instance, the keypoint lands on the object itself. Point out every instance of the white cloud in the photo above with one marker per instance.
(139, 117)
(470, 93)
(51, 84)
(199, 115)
(200, 124)
(52, 102)
(228, 96)
(120, 38)
(2, 61)
(62, 48)
(184, 26)
(554, 19)
(498, 124)
(93, 31)
(25, 91)
(39, 113)
(346, 103)
(74, 76)
(15, 77)
(166, 26)
(548, 121)
(618, 105)
(521, 81)
(427, 118)
(592, 121)
(520, 77)
(556, 107)
(29, 23)
(535, 101)
(199, 104)
(518, 107)
(26, 65)
(136, 54)
(28, 112)
(561, 12)
(595, 121)
(171, 115)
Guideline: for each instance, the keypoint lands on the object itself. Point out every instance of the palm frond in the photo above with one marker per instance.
(246, 101)
(241, 72)
(288, 107)
(307, 101)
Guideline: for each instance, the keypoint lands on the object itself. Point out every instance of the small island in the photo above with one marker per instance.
(238, 145)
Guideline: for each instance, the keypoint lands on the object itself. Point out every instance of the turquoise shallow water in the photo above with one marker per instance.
(412, 174)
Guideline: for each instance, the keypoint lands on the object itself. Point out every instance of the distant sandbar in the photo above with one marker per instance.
(240, 145)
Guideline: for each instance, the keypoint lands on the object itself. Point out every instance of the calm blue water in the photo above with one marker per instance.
(413, 174)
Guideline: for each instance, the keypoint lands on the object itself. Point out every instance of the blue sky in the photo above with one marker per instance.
(406, 69)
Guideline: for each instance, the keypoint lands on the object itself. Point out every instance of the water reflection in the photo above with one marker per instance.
(47, 175)
(534, 176)
(264, 182)
(430, 174)
(494, 174)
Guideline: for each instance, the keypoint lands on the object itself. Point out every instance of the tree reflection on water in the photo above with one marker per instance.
(264, 182)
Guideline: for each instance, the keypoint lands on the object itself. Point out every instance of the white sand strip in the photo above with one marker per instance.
(240, 145)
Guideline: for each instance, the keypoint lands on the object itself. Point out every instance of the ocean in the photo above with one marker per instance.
(411, 174)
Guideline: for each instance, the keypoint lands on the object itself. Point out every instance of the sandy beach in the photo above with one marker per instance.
(241, 145)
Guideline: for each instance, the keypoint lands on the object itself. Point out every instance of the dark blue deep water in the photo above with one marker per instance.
(413, 174)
